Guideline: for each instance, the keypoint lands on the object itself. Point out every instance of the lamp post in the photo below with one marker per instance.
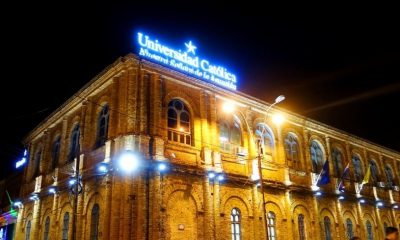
(279, 99)
(230, 108)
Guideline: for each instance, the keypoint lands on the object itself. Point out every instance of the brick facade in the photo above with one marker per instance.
(184, 202)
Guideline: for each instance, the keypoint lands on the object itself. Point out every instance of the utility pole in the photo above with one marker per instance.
(259, 158)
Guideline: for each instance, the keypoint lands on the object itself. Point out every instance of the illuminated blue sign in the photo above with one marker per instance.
(22, 161)
(186, 61)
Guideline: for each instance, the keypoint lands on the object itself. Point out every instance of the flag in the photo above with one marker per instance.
(367, 175)
(366, 178)
(324, 175)
(341, 187)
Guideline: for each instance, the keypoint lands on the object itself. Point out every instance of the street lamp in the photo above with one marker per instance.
(277, 119)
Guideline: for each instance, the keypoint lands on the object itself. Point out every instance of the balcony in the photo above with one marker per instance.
(382, 193)
(367, 190)
(48, 179)
(298, 177)
(95, 156)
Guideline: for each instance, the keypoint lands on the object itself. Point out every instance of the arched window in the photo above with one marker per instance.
(230, 134)
(55, 152)
(36, 162)
(267, 140)
(317, 156)
(374, 171)
(179, 129)
(389, 176)
(337, 159)
(349, 228)
(65, 227)
(102, 126)
(370, 235)
(28, 230)
(327, 226)
(74, 144)
(271, 225)
(358, 172)
(302, 230)
(46, 229)
(235, 224)
(292, 151)
(94, 226)
(398, 170)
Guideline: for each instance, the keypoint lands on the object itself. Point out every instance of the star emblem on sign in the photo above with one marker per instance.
(190, 47)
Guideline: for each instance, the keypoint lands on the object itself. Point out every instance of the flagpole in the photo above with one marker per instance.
(9, 198)
(322, 170)
(346, 169)
(319, 175)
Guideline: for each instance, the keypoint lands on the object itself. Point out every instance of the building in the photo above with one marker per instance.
(210, 189)
(9, 189)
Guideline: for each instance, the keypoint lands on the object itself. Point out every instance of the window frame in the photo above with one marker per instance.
(74, 142)
(94, 222)
(65, 227)
(271, 225)
(104, 114)
(236, 231)
(179, 134)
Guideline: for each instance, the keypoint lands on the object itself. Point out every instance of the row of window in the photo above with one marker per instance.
(271, 227)
(230, 133)
(180, 130)
(74, 147)
(94, 226)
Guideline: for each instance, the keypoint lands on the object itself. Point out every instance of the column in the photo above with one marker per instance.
(328, 153)
(106, 229)
(155, 207)
(217, 211)
(45, 163)
(114, 106)
(36, 219)
(288, 212)
(341, 222)
(64, 143)
(208, 217)
(259, 232)
(132, 92)
(307, 164)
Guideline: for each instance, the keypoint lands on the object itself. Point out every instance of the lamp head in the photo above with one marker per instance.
(228, 107)
(278, 118)
(279, 99)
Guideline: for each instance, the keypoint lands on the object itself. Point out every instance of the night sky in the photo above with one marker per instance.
(336, 64)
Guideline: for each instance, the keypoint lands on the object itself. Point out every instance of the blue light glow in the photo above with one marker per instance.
(72, 182)
(362, 201)
(52, 190)
(211, 175)
(318, 194)
(17, 204)
(186, 61)
(221, 177)
(34, 197)
(341, 197)
(162, 167)
(128, 162)
(22, 161)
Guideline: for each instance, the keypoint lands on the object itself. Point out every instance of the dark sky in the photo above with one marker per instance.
(335, 64)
